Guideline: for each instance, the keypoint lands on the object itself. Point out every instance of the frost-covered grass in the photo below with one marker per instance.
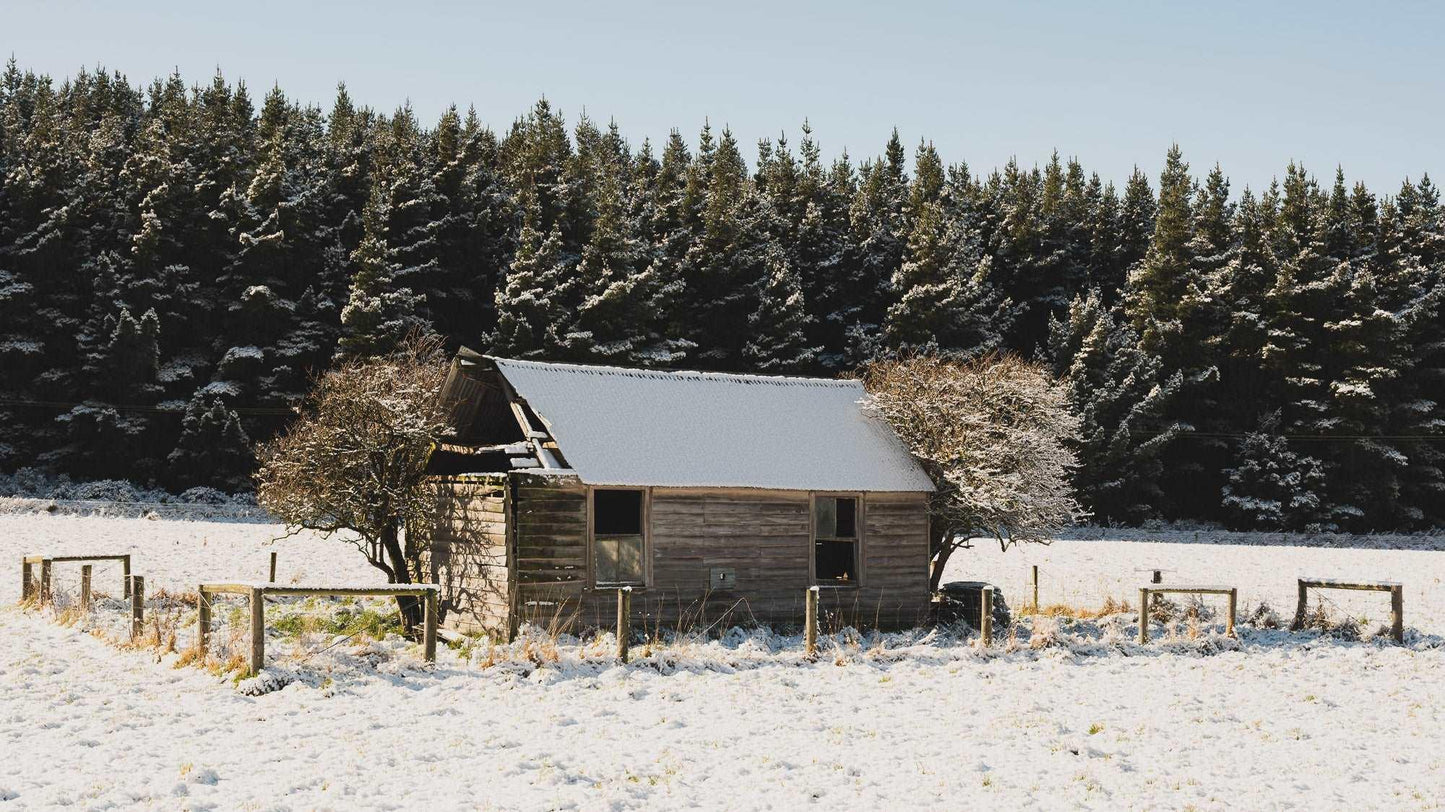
(1084, 572)
(1065, 710)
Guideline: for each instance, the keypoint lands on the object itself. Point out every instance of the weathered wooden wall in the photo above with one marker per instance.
(764, 536)
(467, 554)
(551, 519)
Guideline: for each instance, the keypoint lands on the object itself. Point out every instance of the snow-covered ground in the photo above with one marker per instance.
(1085, 571)
(1087, 719)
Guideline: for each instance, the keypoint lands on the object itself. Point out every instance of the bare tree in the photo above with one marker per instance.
(352, 463)
(993, 434)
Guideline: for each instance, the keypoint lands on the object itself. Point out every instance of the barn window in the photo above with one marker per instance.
(619, 548)
(835, 539)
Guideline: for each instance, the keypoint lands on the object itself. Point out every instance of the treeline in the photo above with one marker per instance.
(175, 264)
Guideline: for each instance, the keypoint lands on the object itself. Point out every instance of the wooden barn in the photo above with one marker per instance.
(718, 498)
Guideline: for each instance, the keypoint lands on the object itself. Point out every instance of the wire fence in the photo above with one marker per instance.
(1075, 580)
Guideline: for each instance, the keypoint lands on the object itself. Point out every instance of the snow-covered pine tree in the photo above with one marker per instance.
(414, 211)
(527, 313)
(820, 247)
(947, 303)
(1273, 487)
(612, 324)
(378, 313)
(1136, 227)
(213, 450)
(1239, 290)
(1364, 333)
(873, 253)
(1162, 289)
(723, 265)
(777, 332)
(1415, 256)
(110, 434)
(670, 219)
(1123, 396)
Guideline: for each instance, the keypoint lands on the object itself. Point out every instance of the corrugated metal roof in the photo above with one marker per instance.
(635, 427)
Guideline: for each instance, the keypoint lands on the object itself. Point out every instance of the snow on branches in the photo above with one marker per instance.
(355, 458)
(994, 434)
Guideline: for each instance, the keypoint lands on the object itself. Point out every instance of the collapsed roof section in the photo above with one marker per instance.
(630, 427)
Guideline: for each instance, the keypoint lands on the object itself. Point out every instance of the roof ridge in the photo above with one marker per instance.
(684, 374)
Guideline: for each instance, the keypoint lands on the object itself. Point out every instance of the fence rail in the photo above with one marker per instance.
(257, 593)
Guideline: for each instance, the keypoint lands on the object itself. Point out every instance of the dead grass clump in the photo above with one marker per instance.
(1047, 633)
(1264, 617)
(70, 615)
(1109, 607)
(1162, 610)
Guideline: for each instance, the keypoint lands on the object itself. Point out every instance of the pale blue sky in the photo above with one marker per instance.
(1250, 85)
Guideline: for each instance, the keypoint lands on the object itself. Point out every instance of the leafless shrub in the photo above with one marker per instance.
(994, 435)
(354, 459)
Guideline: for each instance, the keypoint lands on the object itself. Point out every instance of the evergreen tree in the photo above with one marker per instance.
(213, 450)
(527, 313)
(948, 304)
(778, 328)
(1273, 487)
(1123, 397)
(378, 313)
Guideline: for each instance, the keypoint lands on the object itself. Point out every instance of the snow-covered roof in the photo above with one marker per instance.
(620, 426)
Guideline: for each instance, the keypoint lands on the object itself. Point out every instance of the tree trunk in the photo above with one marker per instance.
(942, 549)
(411, 607)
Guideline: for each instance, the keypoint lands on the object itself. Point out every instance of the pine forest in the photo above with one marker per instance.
(178, 260)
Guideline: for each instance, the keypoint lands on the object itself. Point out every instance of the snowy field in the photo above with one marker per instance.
(1069, 715)
(1085, 572)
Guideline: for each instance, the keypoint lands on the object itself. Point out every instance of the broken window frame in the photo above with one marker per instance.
(816, 536)
(642, 540)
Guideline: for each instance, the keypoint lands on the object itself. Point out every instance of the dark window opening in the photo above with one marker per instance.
(833, 562)
(617, 513)
(619, 548)
(835, 539)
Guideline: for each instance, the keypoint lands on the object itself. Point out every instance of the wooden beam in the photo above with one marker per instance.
(810, 620)
(1233, 604)
(258, 630)
(203, 621)
(624, 622)
(137, 606)
(985, 615)
(1397, 613)
(429, 631)
(1143, 615)
(415, 590)
(85, 571)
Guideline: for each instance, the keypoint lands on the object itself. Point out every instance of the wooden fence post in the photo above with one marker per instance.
(258, 630)
(1397, 612)
(272, 578)
(203, 621)
(810, 621)
(1233, 604)
(27, 577)
(85, 572)
(1299, 607)
(1144, 615)
(624, 622)
(137, 605)
(429, 631)
(125, 575)
(45, 582)
(1036, 587)
(985, 615)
